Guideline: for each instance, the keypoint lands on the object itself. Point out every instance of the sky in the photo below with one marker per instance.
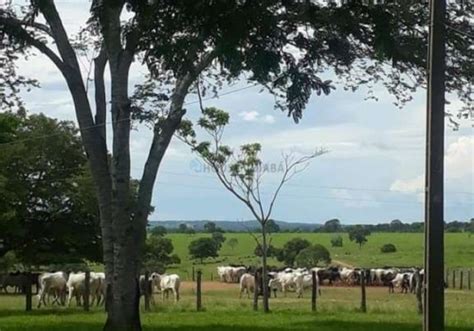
(373, 171)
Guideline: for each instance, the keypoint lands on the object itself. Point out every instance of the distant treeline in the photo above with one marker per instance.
(330, 226)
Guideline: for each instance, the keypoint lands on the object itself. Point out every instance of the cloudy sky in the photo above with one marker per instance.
(374, 170)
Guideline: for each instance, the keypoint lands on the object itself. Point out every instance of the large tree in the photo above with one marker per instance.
(48, 213)
(286, 46)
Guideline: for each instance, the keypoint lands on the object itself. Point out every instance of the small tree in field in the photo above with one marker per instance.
(243, 178)
(232, 243)
(359, 234)
(203, 248)
(313, 256)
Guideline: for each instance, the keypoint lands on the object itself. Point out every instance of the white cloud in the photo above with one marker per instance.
(255, 116)
(413, 185)
(249, 116)
(352, 200)
(459, 170)
(459, 158)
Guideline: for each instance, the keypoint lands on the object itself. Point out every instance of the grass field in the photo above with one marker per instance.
(459, 250)
(337, 310)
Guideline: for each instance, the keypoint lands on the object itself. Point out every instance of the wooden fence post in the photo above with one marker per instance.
(469, 279)
(418, 292)
(198, 290)
(256, 290)
(314, 291)
(192, 274)
(363, 302)
(28, 291)
(212, 277)
(454, 278)
(461, 276)
(147, 292)
(447, 277)
(87, 290)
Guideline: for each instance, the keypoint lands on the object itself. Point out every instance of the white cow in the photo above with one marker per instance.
(402, 281)
(228, 274)
(349, 275)
(76, 285)
(52, 283)
(166, 283)
(247, 284)
(287, 281)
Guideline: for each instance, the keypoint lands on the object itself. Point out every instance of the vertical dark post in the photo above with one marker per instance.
(256, 291)
(87, 290)
(446, 277)
(28, 291)
(434, 197)
(419, 292)
(469, 279)
(192, 274)
(461, 279)
(198, 290)
(314, 291)
(146, 290)
(454, 278)
(363, 302)
(212, 277)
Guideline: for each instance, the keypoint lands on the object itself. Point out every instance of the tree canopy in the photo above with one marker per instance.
(48, 213)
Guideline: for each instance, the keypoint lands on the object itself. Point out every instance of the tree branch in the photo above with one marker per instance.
(100, 98)
(14, 27)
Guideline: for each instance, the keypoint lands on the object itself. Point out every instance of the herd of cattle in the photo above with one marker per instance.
(61, 287)
(299, 279)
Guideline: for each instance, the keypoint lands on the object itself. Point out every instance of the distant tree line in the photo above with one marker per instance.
(330, 226)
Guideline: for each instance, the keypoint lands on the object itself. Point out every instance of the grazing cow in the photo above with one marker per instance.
(350, 276)
(76, 286)
(52, 283)
(330, 274)
(17, 280)
(288, 281)
(247, 284)
(231, 274)
(402, 281)
(166, 283)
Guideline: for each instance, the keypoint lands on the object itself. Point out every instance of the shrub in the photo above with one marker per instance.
(388, 248)
(336, 241)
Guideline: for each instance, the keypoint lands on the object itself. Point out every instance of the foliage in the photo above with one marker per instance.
(48, 211)
(203, 248)
(291, 249)
(359, 233)
(158, 252)
(272, 226)
(388, 248)
(232, 243)
(218, 238)
(336, 241)
(158, 230)
(271, 251)
(313, 256)
(333, 225)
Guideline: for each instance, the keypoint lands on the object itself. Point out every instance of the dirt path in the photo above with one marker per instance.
(343, 264)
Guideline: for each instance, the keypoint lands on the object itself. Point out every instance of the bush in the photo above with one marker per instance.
(313, 256)
(388, 248)
(336, 241)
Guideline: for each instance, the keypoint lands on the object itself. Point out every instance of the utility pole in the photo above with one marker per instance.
(434, 195)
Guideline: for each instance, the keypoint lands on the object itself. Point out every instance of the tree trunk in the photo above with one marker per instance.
(265, 293)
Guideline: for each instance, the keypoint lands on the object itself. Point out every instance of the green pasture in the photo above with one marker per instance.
(459, 250)
(223, 310)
